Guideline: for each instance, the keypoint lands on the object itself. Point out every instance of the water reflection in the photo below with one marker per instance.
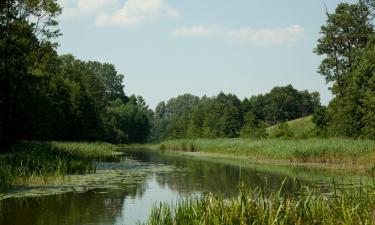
(127, 201)
(93, 207)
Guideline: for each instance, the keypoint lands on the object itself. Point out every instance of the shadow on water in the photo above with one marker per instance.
(128, 196)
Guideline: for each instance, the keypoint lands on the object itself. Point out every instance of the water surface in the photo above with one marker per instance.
(124, 192)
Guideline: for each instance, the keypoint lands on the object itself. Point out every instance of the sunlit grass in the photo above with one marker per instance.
(316, 150)
(46, 162)
(299, 128)
(353, 205)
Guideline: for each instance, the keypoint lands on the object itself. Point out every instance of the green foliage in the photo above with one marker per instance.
(44, 96)
(282, 104)
(281, 131)
(353, 113)
(344, 35)
(171, 119)
(253, 127)
(84, 95)
(23, 47)
(354, 205)
(299, 128)
(348, 46)
(321, 119)
(225, 115)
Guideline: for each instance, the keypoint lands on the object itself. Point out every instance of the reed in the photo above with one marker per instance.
(352, 205)
(314, 150)
(45, 162)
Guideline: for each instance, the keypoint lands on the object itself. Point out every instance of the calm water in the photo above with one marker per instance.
(123, 193)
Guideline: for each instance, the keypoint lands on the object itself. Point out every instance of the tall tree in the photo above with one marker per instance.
(344, 35)
(24, 27)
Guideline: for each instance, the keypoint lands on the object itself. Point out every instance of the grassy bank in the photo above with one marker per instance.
(46, 162)
(354, 205)
(298, 128)
(316, 150)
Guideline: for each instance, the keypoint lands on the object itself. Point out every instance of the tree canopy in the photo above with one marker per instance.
(347, 44)
(225, 115)
(45, 96)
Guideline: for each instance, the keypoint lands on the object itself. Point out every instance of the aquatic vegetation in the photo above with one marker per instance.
(113, 176)
(45, 162)
(315, 150)
(353, 205)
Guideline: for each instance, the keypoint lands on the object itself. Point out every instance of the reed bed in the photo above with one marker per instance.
(46, 162)
(353, 205)
(314, 150)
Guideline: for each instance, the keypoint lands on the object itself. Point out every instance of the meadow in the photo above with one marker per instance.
(301, 128)
(314, 150)
(352, 205)
(28, 163)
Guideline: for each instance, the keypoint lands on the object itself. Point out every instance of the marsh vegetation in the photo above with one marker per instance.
(353, 205)
(341, 151)
(49, 162)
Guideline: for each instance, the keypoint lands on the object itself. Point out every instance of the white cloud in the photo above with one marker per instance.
(137, 11)
(270, 36)
(76, 8)
(275, 36)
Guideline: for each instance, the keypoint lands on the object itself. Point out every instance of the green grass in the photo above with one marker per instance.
(353, 205)
(298, 128)
(315, 150)
(45, 162)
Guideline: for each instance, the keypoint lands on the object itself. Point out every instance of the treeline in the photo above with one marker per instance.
(81, 101)
(348, 47)
(44, 96)
(225, 115)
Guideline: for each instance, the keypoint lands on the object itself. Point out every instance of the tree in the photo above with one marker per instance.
(229, 112)
(354, 113)
(347, 44)
(253, 127)
(24, 27)
(171, 119)
(282, 104)
(344, 35)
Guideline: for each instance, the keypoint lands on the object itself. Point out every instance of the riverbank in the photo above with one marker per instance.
(41, 163)
(333, 152)
(352, 205)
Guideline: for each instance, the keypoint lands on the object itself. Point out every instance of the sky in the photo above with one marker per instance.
(166, 48)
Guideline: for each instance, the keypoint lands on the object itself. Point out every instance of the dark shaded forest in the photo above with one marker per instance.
(44, 96)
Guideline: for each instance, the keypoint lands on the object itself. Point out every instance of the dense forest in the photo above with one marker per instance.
(225, 115)
(46, 96)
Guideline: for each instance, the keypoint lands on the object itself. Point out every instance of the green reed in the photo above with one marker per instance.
(352, 205)
(314, 150)
(41, 162)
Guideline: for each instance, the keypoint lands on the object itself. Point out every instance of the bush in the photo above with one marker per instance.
(281, 131)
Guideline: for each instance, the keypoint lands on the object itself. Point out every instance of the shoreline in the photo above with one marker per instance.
(333, 153)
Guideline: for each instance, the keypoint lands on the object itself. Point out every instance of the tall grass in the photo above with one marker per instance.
(315, 150)
(354, 205)
(43, 162)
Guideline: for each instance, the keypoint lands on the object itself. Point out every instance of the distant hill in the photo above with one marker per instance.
(299, 128)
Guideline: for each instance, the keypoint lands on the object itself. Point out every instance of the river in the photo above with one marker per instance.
(123, 193)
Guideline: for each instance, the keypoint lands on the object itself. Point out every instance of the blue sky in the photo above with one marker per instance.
(170, 47)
